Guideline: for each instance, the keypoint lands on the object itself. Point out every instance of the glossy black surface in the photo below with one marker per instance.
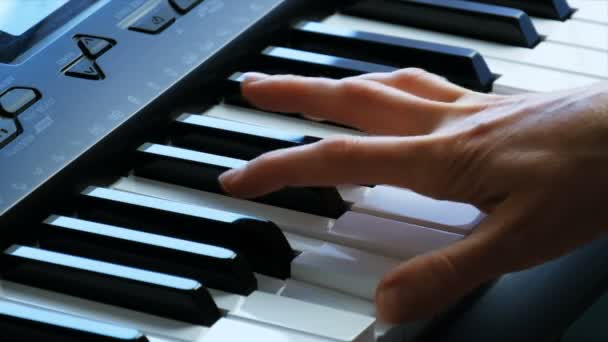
(465, 18)
(22, 322)
(552, 9)
(282, 60)
(151, 292)
(462, 66)
(261, 242)
(230, 138)
(200, 170)
(216, 267)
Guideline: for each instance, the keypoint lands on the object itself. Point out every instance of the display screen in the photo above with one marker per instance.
(18, 16)
(25, 23)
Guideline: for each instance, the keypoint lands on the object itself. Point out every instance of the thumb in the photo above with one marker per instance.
(427, 284)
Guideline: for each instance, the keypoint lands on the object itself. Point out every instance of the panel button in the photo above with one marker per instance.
(8, 131)
(85, 68)
(94, 47)
(17, 100)
(155, 21)
(183, 6)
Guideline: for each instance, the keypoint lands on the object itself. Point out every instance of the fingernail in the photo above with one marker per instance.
(227, 180)
(254, 77)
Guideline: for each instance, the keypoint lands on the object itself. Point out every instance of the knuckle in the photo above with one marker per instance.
(413, 74)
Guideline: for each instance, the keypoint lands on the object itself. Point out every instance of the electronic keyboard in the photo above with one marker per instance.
(116, 118)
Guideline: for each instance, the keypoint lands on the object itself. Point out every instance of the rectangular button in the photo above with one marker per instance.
(22, 322)
(261, 242)
(201, 171)
(155, 20)
(141, 290)
(216, 267)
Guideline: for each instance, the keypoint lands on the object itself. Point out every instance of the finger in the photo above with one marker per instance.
(410, 162)
(512, 239)
(365, 105)
(420, 83)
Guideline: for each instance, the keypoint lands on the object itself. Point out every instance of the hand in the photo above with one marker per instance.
(537, 164)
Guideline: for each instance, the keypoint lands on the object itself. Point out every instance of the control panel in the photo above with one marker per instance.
(117, 63)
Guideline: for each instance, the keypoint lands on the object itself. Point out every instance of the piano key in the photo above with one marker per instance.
(281, 60)
(156, 328)
(229, 329)
(216, 267)
(297, 315)
(230, 138)
(340, 268)
(462, 66)
(278, 123)
(261, 242)
(552, 9)
(547, 55)
(591, 11)
(201, 171)
(500, 24)
(376, 235)
(21, 322)
(407, 206)
(574, 33)
(315, 294)
(156, 293)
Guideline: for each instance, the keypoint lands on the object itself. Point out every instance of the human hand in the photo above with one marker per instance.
(537, 164)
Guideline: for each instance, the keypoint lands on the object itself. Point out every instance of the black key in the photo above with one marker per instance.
(281, 60)
(230, 138)
(184, 6)
(462, 66)
(216, 267)
(552, 9)
(22, 322)
(200, 170)
(137, 289)
(261, 242)
(466, 18)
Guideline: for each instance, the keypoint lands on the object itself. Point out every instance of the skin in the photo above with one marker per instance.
(537, 164)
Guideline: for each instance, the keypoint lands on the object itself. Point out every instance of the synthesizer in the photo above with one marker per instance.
(117, 116)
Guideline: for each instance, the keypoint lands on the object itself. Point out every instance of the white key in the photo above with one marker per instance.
(593, 11)
(279, 122)
(337, 267)
(394, 203)
(310, 293)
(574, 32)
(297, 315)
(589, 64)
(236, 330)
(377, 235)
